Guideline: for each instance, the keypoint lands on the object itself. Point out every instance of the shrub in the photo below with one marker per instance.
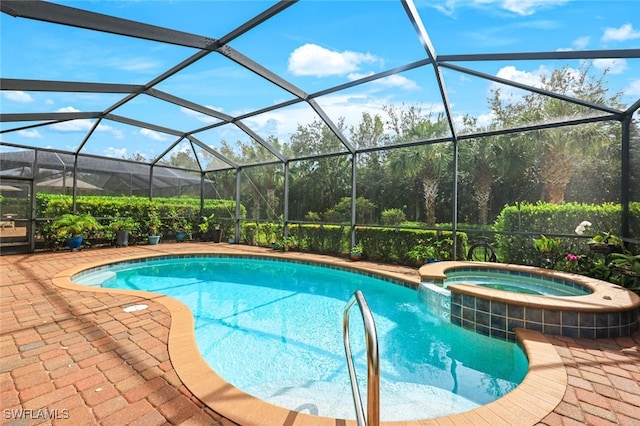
(393, 217)
(550, 219)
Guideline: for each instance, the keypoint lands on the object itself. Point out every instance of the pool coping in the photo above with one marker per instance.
(539, 393)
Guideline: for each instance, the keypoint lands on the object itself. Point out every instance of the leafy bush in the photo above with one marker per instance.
(169, 210)
(550, 219)
(393, 217)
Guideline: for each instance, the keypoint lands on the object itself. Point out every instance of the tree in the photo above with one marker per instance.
(561, 151)
(372, 177)
(316, 184)
(427, 162)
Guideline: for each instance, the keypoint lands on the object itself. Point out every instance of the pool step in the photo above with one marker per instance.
(97, 279)
(398, 401)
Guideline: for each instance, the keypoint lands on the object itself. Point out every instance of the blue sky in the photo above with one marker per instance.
(315, 45)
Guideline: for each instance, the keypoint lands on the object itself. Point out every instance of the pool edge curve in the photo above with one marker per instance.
(526, 404)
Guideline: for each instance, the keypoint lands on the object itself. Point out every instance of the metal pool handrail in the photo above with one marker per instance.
(373, 363)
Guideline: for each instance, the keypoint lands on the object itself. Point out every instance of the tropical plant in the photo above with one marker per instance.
(421, 253)
(74, 225)
(560, 151)
(356, 250)
(183, 225)
(607, 238)
(626, 270)
(208, 223)
(425, 163)
(124, 224)
(153, 221)
(550, 250)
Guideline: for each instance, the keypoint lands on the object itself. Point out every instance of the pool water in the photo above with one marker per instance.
(516, 283)
(274, 330)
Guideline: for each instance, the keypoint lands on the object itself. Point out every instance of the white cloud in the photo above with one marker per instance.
(520, 7)
(200, 116)
(529, 7)
(633, 89)
(511, 73)
(116, 152)
(83, 125)
(73, 125)
(152, 134)
(139, 64)
(17, 96)
(313, 60)
(614, 66)
(525, 77)
(30, 133)
(392, 81)
(581, 42)
(624, 33)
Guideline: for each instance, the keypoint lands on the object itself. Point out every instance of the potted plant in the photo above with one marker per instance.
(356, 252)
(424, 252)
(73, 227)
(182, 227)
(123, 228)
(606, 243)
(210, 229)
(153, 225)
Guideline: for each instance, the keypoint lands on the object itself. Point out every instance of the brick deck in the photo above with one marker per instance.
(75, 358)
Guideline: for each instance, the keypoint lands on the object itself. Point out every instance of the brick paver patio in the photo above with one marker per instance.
(76, 358)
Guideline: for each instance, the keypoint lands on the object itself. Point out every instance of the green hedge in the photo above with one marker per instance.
(562, 219)
(137, 208)
(394, 245)
(327, 239)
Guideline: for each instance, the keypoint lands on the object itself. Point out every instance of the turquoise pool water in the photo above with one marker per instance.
(274, 330)
(516, 282)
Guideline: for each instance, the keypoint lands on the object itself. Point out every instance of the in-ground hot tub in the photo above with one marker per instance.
(579, 306)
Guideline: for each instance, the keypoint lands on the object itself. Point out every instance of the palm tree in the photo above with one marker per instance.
(427, 163)
(561, 151)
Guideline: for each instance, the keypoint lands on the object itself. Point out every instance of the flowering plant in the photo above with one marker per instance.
(582, 227)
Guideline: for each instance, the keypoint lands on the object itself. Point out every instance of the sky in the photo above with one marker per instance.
(315, 45)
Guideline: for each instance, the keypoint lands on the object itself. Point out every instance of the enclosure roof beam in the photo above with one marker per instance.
(169, 148)
(633, 107)
(189, 105)
(261, 141)
(331, 125)
(554, 55)
(143, 124)
(42, 116)
(66, 86)
(65, 15)
(372, 77)
(263, 72)
(507, 131)
(257, 20)
(213, 152)
(425, 40)
(531, 88)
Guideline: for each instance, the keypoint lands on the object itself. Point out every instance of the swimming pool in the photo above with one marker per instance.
(282, 323)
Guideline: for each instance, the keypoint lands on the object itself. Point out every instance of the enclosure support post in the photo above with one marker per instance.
(151, 182)
(202, 181)
(286, 199)
(33, 217)
(625, 178)
(74, 190)
(237, 225)
(353, 198)
(454, 207)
